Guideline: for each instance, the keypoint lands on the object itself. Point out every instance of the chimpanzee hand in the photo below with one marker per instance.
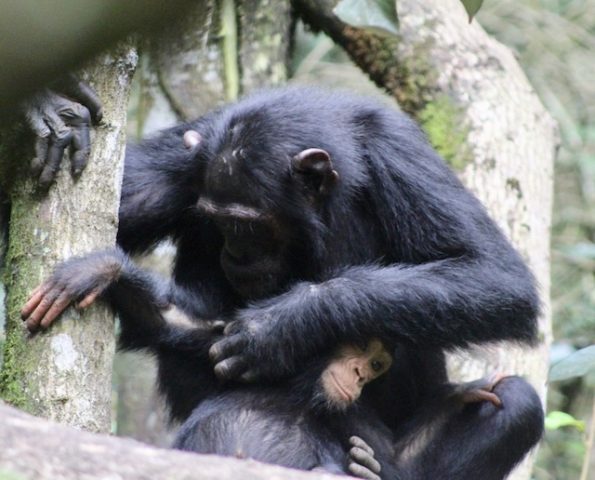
(361, 463)
(79, 280)
(240, 353)
(60, 117)
(481, 390)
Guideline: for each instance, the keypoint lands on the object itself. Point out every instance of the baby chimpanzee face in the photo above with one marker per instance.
(352, 368)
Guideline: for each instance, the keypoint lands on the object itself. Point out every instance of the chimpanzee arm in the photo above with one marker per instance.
(446, 304)
(160, 185)
(447, 276)
(149, 319)
(145, 303)
(111, 274)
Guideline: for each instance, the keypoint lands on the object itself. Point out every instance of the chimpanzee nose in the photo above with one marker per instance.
(360, 377)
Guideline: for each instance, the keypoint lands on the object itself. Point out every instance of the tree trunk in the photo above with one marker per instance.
(65, 373)
(512, 142)
(34, 449)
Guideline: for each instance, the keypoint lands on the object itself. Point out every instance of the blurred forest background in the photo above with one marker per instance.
(555, 44)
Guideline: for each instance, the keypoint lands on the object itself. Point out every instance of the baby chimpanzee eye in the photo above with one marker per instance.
(376, 365)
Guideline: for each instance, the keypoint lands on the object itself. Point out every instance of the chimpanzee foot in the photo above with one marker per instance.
(362, 463)
(481, 390)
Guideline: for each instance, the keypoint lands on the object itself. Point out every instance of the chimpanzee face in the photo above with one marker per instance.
(245, 193)
(254, 247)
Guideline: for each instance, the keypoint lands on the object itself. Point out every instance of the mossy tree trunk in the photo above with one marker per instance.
(65, 373)
(511, 142)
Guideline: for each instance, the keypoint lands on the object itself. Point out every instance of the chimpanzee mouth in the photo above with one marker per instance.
(347, 396)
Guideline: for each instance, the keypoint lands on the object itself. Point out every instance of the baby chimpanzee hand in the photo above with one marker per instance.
(362, 463)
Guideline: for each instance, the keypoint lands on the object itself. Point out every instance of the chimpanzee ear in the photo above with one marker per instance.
(316, 167)
(192, 139)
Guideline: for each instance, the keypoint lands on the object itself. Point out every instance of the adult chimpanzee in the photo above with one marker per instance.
(307, 219)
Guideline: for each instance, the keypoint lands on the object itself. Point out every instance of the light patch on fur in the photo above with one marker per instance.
(174, 316)
(422, 439)
(65, 355)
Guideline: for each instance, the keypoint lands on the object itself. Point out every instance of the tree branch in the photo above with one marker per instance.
(37, 449)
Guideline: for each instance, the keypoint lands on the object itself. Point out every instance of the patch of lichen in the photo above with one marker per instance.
(16, 277)
(12, 389)
(442, 122)
(410, 81)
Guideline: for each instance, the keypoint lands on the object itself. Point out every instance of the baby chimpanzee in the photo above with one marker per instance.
(305, 423)
(311, 421)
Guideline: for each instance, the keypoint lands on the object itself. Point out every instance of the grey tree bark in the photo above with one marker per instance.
(34, 449)
(512, 142)
(65, 373)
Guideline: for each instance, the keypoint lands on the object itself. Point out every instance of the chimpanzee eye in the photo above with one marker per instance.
(376, 365)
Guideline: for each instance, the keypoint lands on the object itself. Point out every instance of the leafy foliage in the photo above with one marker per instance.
(556, 420)
(472, 7)
(576, 364)
(377, 15)
(381, 16)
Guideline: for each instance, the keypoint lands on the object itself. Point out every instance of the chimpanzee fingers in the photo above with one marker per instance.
(364, 458)
(33, 321)
(191, 139)
(37, 123)
(89, 298)
(60, 304)
(230, 368)
(42, 145)
(34, 299)
(479, 395)
(218, 326)
(356, 441)
(42, 139)
(250, 376)
(86, 96)
(52, 165)
(60, 139)
(233, 328)
(362, 472)
(81, 149)
(227, 347)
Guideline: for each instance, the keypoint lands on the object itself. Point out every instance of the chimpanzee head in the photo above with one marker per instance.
(351, 368)
(260, 194)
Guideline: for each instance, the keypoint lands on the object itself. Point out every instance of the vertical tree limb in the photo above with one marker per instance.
(65, 373)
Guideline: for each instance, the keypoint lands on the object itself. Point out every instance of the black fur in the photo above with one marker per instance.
(398, 250)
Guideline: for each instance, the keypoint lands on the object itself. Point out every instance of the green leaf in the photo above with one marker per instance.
(379, 16)
(556, 420)
(472, 7)
(576, 364)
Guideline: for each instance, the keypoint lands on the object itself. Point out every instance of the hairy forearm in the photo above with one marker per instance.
(446, 304)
